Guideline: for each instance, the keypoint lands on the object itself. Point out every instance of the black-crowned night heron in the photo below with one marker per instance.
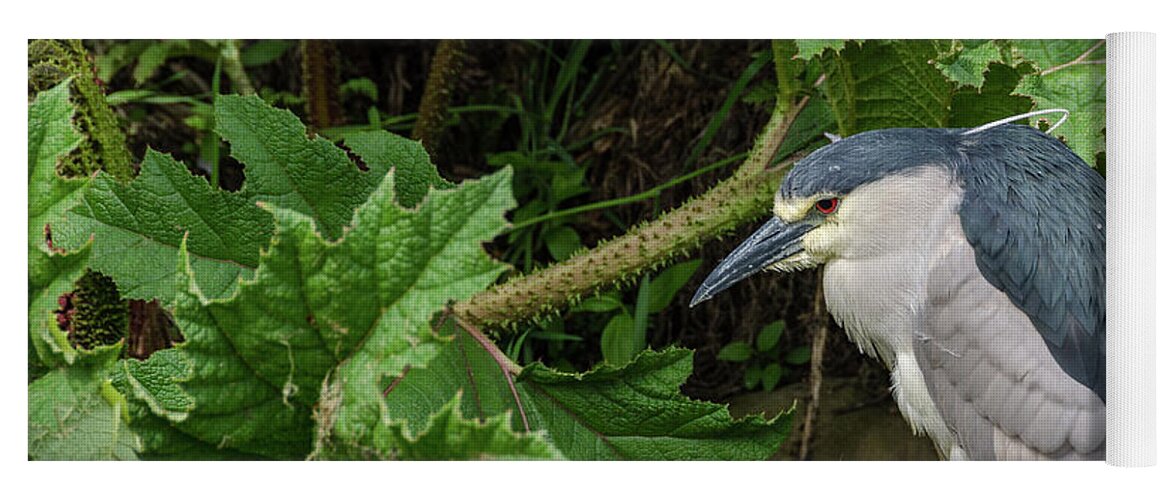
(971, 262)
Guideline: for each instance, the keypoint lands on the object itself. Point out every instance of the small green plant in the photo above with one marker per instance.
(767, 365)
(547, 174)
(625, 333)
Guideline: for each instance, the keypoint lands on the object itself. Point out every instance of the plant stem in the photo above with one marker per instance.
(104, 145)
(508, 367)
(230, 52)
(319, 83)
(211, 136)
(744, 196)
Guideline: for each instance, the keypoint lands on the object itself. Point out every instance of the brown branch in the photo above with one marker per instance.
(1080, 60)
(744, 196)
(817, 355)
(320, 82)
(395, 382)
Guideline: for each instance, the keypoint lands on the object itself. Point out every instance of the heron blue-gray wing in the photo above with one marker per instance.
(1035, 214)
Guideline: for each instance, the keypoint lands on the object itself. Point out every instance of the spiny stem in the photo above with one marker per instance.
(319, 83)
(445, 69)
(744, 196)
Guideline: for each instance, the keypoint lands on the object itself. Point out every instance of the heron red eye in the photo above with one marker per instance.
(828, 205)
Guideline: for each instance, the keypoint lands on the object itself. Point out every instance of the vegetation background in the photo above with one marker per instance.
(599, 139)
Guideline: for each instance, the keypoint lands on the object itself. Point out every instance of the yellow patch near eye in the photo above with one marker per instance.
(795, 209)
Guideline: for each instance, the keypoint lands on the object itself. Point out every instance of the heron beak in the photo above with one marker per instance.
(773, 242)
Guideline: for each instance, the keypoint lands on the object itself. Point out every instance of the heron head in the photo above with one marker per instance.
(854, 198)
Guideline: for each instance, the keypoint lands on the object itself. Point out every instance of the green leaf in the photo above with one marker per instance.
(599, 304)
(359, 86)
(264, 51)
(770, 335)
(798, 356)
(414, 174)
(562, 241)
(51, 272)
(286, 169)
(664, 287)
(136, 230)
(993, 101)
(153, 57)
(75, 414)
(619, 342)
(884, 84)
(752, 377)
(449, 436)
(770, 376)
(810, 126)
(157, 54)
(155, 383)
(736, 351)
(966, 66)
(51, 136)
(567, 183)
(162, 441)
(118, 56)
(1049, 53)
(289, 347)
(758, 63)
(1071, 74)
(629, 412)
(556, 336)
(137, 227)
(810, 48)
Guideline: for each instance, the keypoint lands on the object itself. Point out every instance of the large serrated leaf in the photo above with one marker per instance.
(155, 382)
(966, 64)
(136, 230)
(884, 84)
(414, 174)
(75, 414)
(1071, 74)
(51, 136)
(137, 227)
(631, 412)
(810, 48)
(449, 436)
(286, 169)
(51, 272)
(993, 101)
(350, 312)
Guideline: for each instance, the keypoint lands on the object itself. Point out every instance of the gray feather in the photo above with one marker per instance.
(991, 375)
